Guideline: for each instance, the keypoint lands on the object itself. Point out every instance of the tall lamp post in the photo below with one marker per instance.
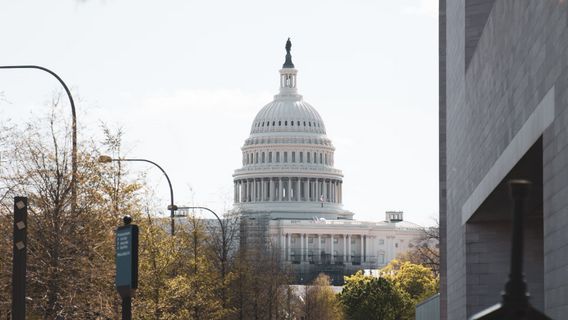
(172, 207)
(223, 241)
(73, 128)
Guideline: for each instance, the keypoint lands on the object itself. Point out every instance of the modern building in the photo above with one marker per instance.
(290, 194)
(503, 97)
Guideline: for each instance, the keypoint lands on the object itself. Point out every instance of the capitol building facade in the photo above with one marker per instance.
(290, 194)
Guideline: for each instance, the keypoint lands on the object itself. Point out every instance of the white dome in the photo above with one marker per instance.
(288, 114)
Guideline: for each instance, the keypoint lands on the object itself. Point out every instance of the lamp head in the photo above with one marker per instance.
(104, 159)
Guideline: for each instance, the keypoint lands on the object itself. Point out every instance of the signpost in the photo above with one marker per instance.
(126, 280)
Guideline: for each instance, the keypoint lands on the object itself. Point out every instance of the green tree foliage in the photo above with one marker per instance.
(416, 280)
(320, 302)
(371, 298)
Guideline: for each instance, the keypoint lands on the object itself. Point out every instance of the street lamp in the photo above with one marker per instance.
(223, 242)
(73, 128)
(172, 207)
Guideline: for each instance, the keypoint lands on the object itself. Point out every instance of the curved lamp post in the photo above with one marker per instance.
(73, 128)
(172, 207)
(223, 242)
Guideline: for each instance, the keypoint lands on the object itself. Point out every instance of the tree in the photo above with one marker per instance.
(370, 298)
(70, 256)
(417, 281)
(320, 302)
(425, 250)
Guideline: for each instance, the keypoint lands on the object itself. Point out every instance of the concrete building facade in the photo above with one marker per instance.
(503, 98)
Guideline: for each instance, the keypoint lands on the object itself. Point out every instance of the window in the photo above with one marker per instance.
(270, 156)
(321, 158)
(256, 158)
(292, 240)
(279, 123)
(381, 258)
(277, 156)
(293, 156)
(396, 245)
(335, 240)
(268, 123)
(352, 241)
(322, 240)
(285, 156)
(301, 157)
(315, 158)
(286, 123)
(381, 241)
(310, 240)
(308, 159)
(292, 123)
(263, 160)
(248, 158)
(326, 158)
(298, 123)
(263, 123)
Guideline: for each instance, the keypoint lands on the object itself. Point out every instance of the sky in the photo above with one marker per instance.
(184, 80)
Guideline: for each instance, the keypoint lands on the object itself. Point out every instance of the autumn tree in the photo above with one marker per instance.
(371, 298)
(319, 300)
(70, 256)
(417, 281)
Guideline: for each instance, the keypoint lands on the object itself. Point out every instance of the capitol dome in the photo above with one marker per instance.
(287, 166)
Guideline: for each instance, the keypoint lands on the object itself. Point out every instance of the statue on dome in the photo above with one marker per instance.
(288, 63)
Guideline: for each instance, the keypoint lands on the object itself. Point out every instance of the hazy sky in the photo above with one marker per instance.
(185, 79)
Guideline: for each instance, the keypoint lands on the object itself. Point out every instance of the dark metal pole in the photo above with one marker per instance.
(19, 258)
(172, 207)
(73, 128)
(127, 308)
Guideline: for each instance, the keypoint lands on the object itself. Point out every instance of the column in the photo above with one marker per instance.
(332, 246)
(319, 249)
(279, 189)
(362, 249)
(349, 248)
(318, 195)
(282, 246)
(333, 191)
(324, 191)
(365, 249)
(306, 189)
(263, 190)
(340, 192)
(288, 249)
(289, 190)
(344, 248)
(301, 247)
(271, 192)
(298, 189)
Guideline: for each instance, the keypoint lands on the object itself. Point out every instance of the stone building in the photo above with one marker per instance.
(503, 96)
(290, 194)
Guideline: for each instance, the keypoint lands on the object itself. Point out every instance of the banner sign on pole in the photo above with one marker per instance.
(126, 280)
